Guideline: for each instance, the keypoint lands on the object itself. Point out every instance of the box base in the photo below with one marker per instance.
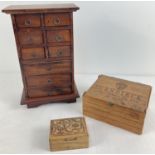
(69, 147)
(103, 112)
(34, 102)
(114, 123)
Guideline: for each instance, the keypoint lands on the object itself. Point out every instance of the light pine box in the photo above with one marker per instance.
(68, 133)
(118, 102)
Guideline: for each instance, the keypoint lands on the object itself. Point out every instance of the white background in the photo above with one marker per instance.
(115, 38)
(110, 37)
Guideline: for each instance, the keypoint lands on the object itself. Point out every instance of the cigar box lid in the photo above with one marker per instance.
(68, 127)
(121, 92)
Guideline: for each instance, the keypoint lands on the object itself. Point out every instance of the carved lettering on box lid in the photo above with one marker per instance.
(121, 92)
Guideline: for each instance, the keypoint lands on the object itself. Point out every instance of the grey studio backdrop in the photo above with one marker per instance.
(110, 37)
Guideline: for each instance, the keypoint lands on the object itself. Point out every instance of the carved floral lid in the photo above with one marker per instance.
(68, 127)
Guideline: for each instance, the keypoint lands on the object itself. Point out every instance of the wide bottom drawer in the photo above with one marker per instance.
(56, 80)
(48, 68)
(51, 91)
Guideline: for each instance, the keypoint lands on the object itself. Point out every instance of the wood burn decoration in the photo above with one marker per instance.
(118, 102)
(68, 133)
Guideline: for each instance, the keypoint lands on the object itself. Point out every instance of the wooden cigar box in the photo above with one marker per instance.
(118, 102)
(68, 133)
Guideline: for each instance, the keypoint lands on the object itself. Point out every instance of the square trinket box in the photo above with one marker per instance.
(68, 133)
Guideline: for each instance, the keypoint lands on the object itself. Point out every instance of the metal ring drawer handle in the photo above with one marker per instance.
(28, 22)
(110, 104)
(49, 93)
(56, 21)
(59, 90)
(49, 80)
(49, 68)
(59, 53)
(58, 38)
(29, 40)
(33, 55)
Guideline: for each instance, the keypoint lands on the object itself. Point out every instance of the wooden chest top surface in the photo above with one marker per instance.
(17, 9)
(121, 92)
(68, 127)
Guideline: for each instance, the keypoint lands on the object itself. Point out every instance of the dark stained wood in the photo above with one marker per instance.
(48, 91)
(57, 36)
(47, 8)
(15, 29)
(50, 68)
(44, 39)
(57, 19)
(33, 102)
(28, 20)
(46, 60)
(30, 36)
(32, 53)
(53, 80)
(72, 49)
(59, 51)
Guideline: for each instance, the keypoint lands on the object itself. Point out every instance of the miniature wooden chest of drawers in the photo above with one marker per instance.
(44, 38)
(68, 133)
(118, 102)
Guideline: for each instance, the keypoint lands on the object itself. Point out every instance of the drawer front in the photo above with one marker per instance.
(30, 37)
(59, 51)
(55, 67)
(56, 36)
(51, 91)
(56, 80)
(28, 20)
(32, 53)
(57, 19)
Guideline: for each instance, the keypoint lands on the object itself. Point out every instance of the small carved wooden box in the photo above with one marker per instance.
(68, 133)
(44, 38)
(118, 102)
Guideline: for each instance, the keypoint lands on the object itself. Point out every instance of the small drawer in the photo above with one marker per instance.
(55, 80)
(28, 20)
(59, 51)
(48, 68)
(51, 91)
(56, 36)
(32, 53)
(57, 19)
(30, 36)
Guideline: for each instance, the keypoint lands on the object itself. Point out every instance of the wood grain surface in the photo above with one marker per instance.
(121, 92)
(68, 133)
(118, 102)
(44, 39)
(40, 8)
